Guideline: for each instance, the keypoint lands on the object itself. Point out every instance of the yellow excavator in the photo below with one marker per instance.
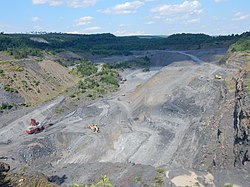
(215, 77)
(94, 128)
(218, 77)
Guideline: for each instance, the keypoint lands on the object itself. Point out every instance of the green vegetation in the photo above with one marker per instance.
(18, 46)
(246, 67)
(30, 180)
(247, 82)
(140, 62)
(160, 170)
(25, 179)
(95, 83)
(146, 70)
(159, 181)
(17, 68)
(196, 184)
(19, 53)
(109, 79)
(103, 182)
(36, 82)
(138, 179)
(85, 68)
(59, 110)
(230, 83)
(8, 88)
(243, 44)
(228, 185)
(6, 106)
(22, 46)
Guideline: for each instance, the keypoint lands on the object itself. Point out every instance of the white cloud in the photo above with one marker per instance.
(124, 25)
(150, 22)
(84, 20)
(187, 7)
(39, 1)
(219, 1)
(196, 20)
(185, 12)
(50, 2)
(125, 8)
(126, 33)
(93, 28)
(73, 32)
(119, 33)
(38, 28)
(81, 3)
(36, 19)
(215, 18)
(71, 3)
(240, 16)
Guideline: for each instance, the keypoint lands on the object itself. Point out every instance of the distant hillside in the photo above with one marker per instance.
(30, 75)
(243, 44)
(23, 45)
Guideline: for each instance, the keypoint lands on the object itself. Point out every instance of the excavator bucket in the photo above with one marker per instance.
(33, 122)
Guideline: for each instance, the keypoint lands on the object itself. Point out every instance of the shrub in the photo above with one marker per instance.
(86, 68)
(59, 110)
(145, 70)
(160, 170)
(6, 106)
(159, 181)
(103, 182)
(108, 79)
(8, 88)
(138, 179)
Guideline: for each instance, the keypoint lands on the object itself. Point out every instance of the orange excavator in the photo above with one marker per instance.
(34, 127)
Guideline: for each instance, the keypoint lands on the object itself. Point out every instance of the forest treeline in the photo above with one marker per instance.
(243, 44)
(22, 45)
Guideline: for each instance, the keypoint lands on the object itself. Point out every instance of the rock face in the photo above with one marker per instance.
(241, 122)
(4, 167)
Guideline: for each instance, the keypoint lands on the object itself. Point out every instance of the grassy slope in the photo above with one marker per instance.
(36, 81)
(243, 44)
(239, 56)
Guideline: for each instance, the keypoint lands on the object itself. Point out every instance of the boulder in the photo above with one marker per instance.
(4, 167)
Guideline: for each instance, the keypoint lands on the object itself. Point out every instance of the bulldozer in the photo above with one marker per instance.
(215, 77)
(218, 77)
(34, 127)
(94, 128)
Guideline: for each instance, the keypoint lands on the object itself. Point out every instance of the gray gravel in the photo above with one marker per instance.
(167, 118)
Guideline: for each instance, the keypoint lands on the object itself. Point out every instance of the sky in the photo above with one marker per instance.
(129, 17)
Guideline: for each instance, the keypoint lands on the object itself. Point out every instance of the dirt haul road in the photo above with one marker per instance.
(160, 118)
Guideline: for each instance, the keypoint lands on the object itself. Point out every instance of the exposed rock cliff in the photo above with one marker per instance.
(242, 121)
